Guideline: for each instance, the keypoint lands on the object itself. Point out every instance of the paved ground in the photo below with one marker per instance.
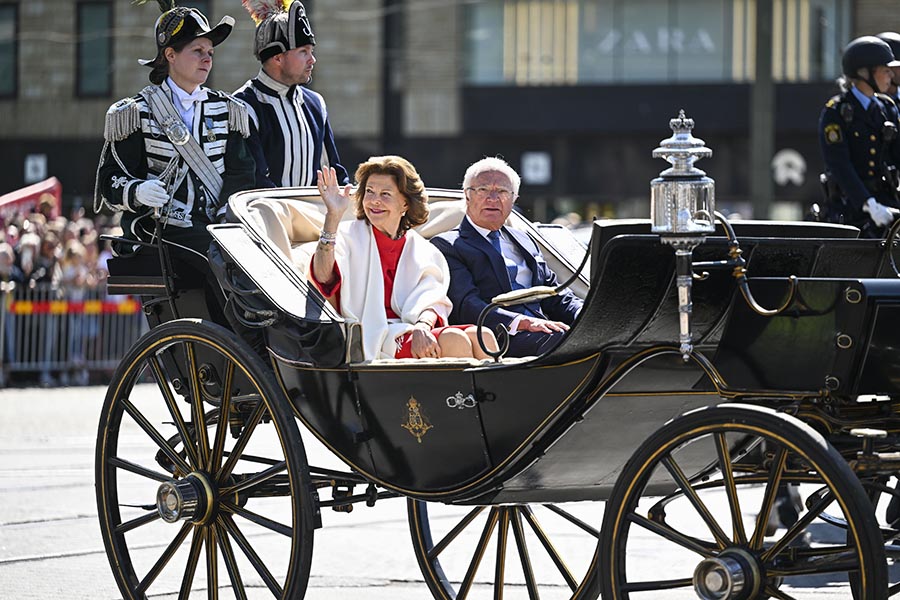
(50, 543)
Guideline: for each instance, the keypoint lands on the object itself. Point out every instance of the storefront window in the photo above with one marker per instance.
(8, 50)
(565, 42)
(94, 49)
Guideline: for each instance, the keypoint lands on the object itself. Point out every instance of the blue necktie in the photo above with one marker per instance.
(511, 269)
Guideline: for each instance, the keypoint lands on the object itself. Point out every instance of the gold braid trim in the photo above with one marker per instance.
(122, 119)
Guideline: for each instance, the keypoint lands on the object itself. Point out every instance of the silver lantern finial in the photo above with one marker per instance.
(682, 207)
(682, 198)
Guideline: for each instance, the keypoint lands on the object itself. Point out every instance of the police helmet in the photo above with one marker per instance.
(893, 40)
(866, 52)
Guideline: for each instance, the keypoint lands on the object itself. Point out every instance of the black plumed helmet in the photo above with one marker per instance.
(865, 52)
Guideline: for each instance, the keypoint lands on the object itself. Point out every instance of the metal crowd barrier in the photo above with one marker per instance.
(61, 335)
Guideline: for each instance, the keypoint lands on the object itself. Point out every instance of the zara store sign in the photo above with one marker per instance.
(662, 40)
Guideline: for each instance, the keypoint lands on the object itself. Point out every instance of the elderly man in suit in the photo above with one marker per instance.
(487, 259)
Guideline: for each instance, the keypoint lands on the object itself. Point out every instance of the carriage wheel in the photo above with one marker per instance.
(512, 551)
(709, 532)
(201, 476)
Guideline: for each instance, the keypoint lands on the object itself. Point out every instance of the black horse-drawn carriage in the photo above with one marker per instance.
(787, 377)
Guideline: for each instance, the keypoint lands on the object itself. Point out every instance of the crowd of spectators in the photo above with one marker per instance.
(65, 252)
(54, 258)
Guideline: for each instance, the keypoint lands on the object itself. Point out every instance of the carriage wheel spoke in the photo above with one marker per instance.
(163, 560)
(191, 567)
(573, 519)
(175, 413)
(212, 564)
(466, 584)
(691, 494)
(251, 555)
(255, 480)
(671, 535)
(197, 414)
(215, 458)
(768, 502)
(524, 558)
(663, 584)
(138, 522)
(139, 469)
(797, 528)
(453, 533)
(500, 567)
(242, 442)
(531, 519)
(275, 526)
(734, 504)
(144, 424)
(234, 574)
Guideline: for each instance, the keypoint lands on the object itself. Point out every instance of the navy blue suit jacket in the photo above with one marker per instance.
(478, 273)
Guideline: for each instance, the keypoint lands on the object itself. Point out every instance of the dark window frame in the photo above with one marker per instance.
(14, 93)
(79, 91)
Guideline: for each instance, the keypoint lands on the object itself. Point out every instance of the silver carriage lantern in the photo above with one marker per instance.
(682, 207)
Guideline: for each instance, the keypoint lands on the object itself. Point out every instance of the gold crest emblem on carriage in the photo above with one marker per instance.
(416, 422)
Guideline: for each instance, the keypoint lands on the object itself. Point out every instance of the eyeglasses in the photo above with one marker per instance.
(484, 191)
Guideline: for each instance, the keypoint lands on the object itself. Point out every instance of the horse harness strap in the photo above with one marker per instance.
(181, 138)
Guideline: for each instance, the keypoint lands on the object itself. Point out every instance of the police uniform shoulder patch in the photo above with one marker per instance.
(833, 134)
(122, 119)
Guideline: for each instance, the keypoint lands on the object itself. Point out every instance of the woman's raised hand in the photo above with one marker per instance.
(336, 199)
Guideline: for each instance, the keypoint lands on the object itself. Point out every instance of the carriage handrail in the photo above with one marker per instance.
(737, 262)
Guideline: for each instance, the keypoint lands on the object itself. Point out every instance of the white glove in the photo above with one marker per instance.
(879, 213)
(151, 193)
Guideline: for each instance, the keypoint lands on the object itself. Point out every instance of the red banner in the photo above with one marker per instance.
(26, 200)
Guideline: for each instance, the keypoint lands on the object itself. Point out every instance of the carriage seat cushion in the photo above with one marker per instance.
(468, 362)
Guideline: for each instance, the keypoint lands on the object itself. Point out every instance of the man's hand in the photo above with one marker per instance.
(879, 213)
(151, 193)
(541, 325)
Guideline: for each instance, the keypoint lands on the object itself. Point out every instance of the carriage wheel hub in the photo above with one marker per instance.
(733, 575)
(190, 498)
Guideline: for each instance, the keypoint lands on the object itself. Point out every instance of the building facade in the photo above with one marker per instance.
(573, 93)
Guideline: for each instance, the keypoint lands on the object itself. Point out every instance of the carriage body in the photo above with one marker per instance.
(565, 426)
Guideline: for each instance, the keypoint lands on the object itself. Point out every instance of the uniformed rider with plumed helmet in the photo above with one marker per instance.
(291, 137)
(858, 135)
(177, 150)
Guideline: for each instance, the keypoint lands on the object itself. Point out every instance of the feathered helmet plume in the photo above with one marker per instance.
(281, 25)
(179, 24)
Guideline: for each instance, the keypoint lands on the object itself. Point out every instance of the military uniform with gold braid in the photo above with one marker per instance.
(860, 145)
(197, 152)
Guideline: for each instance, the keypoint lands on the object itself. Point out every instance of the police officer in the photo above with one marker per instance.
(858, 137)
(893, 40)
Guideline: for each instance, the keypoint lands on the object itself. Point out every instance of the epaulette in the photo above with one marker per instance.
(122, 119)
(238, 114)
